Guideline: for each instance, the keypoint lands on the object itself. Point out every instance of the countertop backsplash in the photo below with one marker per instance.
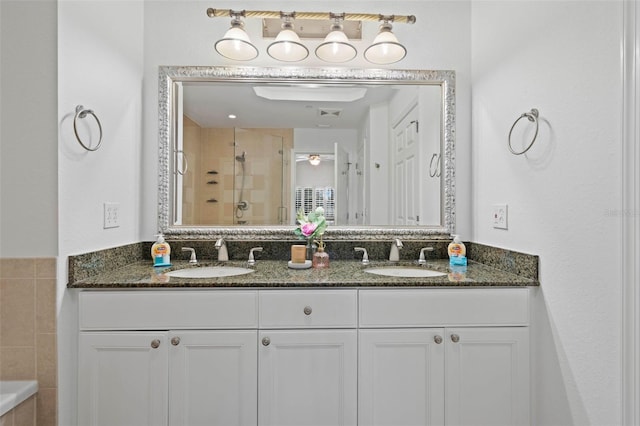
(87, 265)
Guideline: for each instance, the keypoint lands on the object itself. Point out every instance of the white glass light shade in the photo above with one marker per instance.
(385, 49)
(236, 45)
(336, 48)
(287, 47)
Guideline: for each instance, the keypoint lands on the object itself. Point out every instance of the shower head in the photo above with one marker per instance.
(241, 158)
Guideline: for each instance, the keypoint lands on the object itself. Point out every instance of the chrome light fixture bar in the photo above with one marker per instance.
(335, 48)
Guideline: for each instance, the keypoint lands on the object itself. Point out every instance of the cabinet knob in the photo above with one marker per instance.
(155, 344)
(307, 310)
(455, 338)
(266, 341)
(437, 339)
(175, 341)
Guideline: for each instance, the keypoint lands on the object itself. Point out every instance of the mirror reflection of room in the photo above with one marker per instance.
(245, 151)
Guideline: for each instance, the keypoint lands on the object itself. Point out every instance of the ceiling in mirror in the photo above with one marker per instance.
(288, 109)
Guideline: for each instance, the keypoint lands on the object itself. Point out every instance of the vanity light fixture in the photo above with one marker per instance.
(314, 159)
(287, 46)
(236, 44)
(385, 48)
(335, 48)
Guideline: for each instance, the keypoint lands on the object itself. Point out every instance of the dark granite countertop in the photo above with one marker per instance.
(276, 274)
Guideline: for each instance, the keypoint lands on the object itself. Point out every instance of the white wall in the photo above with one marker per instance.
(28, 142)
(180, 33)
(100, 56)
(563, 196)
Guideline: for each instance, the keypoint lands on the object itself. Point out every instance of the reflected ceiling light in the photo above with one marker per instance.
(310, 94)
(314, 159)
(287, 46)
(236, 44)
(336, 47)
(385, 48)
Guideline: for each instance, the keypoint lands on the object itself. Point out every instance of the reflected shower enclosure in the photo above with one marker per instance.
(236, 176)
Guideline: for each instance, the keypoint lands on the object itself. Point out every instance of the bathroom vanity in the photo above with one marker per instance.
(277, 347)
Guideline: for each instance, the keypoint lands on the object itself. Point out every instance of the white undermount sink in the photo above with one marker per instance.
(404, 272)
(210, 272)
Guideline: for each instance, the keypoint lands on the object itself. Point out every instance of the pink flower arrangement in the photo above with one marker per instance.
(311, 226)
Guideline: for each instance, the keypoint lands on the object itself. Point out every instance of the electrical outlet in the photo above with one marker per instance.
(499, 216)
(111, 215)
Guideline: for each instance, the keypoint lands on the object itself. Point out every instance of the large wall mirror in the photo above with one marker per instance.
(242, 149)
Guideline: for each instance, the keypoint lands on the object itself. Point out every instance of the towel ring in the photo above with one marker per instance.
(531, 116)
(185, 163)
(82, 113)
(434, 171)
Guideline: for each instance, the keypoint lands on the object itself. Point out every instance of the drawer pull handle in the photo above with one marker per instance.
(155, 344)
(455, 338)
(437, 339)
(266, 341)
(307, 310)
(175, 341)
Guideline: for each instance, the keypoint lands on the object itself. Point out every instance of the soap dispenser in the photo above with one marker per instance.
(160, 252)
(457, 252)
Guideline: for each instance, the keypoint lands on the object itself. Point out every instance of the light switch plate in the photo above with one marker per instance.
(499, 217)
(111, 215)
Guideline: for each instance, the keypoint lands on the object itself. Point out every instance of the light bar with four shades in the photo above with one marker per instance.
(287, 47)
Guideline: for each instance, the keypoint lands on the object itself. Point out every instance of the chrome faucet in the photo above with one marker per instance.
(193, 254)
(421, 259)
(394, 254)
(252, 260)
(365, 255)
(221, 246)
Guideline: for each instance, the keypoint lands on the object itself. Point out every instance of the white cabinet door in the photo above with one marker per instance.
(213, 378)
(401, 377)
(487, 376)
(307, 378)
(122, 379)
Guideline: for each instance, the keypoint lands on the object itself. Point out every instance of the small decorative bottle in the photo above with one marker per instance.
(320, 257)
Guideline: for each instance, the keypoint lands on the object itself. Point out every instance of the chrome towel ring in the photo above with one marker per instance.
(81, 112)
(531, 116)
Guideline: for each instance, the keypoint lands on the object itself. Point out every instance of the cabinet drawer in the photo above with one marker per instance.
(444, 307)
(308, 309)
(160, 310)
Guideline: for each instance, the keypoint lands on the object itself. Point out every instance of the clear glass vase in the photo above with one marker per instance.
(311, 249)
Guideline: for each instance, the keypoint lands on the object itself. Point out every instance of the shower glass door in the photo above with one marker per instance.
(261, 177)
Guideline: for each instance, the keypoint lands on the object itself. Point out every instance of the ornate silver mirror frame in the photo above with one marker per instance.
(169, 76)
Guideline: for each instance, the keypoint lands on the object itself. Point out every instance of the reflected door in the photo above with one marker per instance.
(406, 184)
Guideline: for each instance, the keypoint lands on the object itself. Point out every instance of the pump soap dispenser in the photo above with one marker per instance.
(160, 252)
(457, 252)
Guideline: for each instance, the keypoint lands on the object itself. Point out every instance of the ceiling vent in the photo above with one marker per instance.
(329, 112)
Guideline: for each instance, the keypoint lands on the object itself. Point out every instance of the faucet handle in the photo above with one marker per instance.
(193, 254)
(365, 255)
(421, 259)
(252, 260)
